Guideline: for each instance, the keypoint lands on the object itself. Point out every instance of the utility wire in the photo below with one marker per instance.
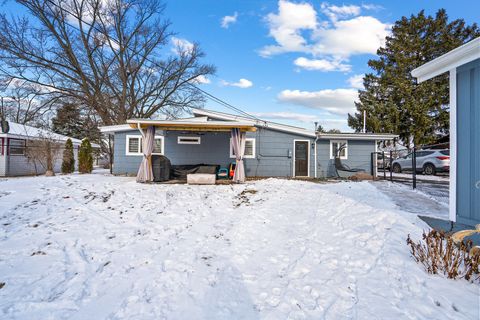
(207, 94)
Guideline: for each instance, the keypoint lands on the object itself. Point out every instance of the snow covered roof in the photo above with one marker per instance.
(215, 119)
(295, 130)
(256, 122)
(23, 131)
(450, 60)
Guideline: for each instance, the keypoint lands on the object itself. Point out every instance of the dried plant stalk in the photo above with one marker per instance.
(439, 254)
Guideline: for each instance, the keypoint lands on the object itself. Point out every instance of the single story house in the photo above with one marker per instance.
(14, 160)
(463, 66)
(271, 149)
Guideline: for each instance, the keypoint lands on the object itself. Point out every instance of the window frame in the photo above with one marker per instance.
(254, 149)
(2, 147)
(198, 138)
(9, 147)
(332, 156)
(139, 152)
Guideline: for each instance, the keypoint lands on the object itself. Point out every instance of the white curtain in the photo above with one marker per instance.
(238, 144)
(145, 172)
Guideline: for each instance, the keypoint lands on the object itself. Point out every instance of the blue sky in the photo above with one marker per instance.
(303, 59)
(293, 62)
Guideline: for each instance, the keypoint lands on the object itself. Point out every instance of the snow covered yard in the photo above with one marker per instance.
(103, 247)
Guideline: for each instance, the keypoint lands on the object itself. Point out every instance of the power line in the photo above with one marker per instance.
(207, 94)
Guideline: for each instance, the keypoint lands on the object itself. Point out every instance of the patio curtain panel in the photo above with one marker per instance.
(145, 172)
(238, 144)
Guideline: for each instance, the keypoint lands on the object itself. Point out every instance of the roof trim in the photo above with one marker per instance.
(358, 136)
(115, 128)
(189, 124)
(257, 123)
(450, 60)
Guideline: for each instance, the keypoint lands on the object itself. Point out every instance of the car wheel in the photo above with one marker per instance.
(397, 168)
(429, 169)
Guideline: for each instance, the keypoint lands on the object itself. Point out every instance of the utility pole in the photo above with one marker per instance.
(364, 121)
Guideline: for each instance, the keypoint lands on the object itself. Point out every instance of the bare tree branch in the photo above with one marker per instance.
(109, 56)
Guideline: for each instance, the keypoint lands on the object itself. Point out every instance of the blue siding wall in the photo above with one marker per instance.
(359, 156)
(274, 152)
(468, 143)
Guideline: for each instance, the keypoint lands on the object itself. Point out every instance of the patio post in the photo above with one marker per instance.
(145, 172)
(238, 144)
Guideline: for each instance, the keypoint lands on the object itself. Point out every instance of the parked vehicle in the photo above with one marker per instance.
(428, 161)
(380, 161)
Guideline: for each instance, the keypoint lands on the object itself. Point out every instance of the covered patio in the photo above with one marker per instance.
(193, 142)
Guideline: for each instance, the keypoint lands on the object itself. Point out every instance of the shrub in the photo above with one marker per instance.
(85, 157)
(68, 162)
(438, 253)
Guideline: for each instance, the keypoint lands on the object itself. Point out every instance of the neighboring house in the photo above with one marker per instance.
(13, 150)
(463, 65)
(272, 149)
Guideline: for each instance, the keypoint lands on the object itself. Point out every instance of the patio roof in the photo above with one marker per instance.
(191, 125)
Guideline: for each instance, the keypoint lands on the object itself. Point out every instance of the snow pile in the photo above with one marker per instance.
(102, 247)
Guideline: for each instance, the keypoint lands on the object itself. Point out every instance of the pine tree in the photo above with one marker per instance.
(85, 157)
(68, 162)
(68, 121)
(72, 122)
(391, 98)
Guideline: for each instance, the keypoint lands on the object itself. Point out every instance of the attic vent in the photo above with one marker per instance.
(189, 140)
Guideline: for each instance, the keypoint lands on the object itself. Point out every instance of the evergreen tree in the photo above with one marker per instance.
(392, 99)
(85, 157)
(72, 122)
(68, 121)
(68, 162)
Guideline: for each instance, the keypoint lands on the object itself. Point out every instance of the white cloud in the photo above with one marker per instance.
(321, 64)
(301, 117)
(228, 20)
(337, 101)
(296, 28)
(359, 35)
(371, 6)
(286, 26)
(181, 45)
(356, 81)
(201, 79)
(336, 12)
(242, 83)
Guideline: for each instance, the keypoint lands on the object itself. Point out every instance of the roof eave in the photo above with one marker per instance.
(450, 60)
(357, 136)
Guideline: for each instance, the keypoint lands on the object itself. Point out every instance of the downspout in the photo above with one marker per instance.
(139, 127)
(315, 153)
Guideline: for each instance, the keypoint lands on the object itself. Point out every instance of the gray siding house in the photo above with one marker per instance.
(463, 65)
(13, 146)
(272, 149)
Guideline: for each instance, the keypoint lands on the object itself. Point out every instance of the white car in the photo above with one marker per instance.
(428, 161)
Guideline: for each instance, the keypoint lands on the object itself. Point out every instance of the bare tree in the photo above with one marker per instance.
(44, 151)
(111, 56)
(25, 103)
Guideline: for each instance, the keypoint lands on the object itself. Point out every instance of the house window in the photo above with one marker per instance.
(16, 147)
(189, 140)
(339, 147)
(249, 148)
(2, 140)
(134, 145)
